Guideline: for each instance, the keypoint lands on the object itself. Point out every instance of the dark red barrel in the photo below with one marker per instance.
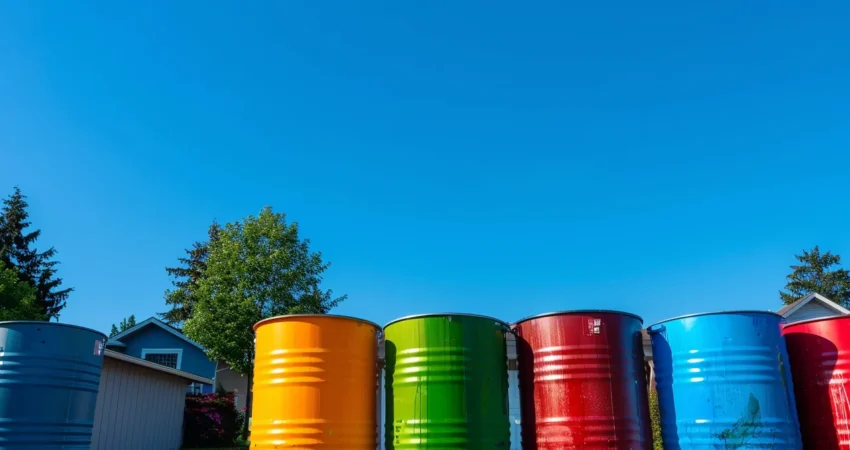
(583, 383)
(819, 354)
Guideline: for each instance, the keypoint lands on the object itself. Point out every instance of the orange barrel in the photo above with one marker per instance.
(315, 378)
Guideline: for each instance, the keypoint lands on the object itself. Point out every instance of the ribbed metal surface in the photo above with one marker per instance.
(583, 382)
(314, 383)
(49, 378)
(819, 352)
(446, 383)
(723, 382)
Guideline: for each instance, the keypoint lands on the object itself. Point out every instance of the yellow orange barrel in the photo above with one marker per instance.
(315, 378)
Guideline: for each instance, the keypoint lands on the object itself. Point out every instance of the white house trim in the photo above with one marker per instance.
(152, 321)
(141, 362)
(825, 301)
(168, 351)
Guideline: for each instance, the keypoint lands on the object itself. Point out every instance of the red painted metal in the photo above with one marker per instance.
(819, 354)
(583, 381)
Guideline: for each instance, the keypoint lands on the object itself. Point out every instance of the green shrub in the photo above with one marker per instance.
(655, 418)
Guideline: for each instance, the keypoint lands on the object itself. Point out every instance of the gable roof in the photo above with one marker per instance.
(141, 362)
(791, 308)
(115, 340)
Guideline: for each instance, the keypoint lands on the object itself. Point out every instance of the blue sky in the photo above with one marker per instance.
(489, 157)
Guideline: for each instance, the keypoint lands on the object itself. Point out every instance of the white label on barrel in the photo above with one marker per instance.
(594, 326)
(98, 348)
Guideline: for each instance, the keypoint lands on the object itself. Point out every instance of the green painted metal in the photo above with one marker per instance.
(446, 383)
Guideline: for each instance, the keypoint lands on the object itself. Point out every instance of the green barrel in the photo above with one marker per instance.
(446, 383)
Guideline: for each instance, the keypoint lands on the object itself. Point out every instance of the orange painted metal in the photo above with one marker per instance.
(315, 378)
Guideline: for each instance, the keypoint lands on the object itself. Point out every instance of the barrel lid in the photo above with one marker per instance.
(332, 316)
(50, 324)
(819, 319)
(688, 316)
(421, 316)
(577, 312)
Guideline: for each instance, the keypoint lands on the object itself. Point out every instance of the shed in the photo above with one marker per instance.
(140, 404)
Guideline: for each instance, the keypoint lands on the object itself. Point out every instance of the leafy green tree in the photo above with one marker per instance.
(255, 269)
(817, 272)
(17, 298)
(185, 280)
(125, 324)
(32, 267)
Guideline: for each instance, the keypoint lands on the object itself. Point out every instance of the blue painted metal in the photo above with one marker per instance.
(724, 383)
(49, 378)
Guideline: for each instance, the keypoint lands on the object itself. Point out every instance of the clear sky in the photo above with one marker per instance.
(491, 157)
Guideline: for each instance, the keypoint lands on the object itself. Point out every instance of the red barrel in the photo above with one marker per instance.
(583, 381)
(819, 354)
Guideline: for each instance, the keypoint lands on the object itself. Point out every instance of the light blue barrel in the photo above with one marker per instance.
(49, 378)
(723, 382)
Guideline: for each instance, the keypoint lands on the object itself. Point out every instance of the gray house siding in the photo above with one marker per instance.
(138, 408)
(231, 381)
(812, 310)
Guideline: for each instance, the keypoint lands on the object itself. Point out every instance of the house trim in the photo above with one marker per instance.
(160, 351)
(825, 301)
(152, 321)
(141, 362)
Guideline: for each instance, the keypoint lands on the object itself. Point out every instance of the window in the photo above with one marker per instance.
(168, 357)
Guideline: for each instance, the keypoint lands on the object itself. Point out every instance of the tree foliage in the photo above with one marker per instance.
(38, 269)
(185, 280)
(125, 324)
(817, 272)
(17, 298)
(255, 269)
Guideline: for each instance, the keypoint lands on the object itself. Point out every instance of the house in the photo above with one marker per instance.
(140, 404)
(155, 341)
(812, 306)
(232, 381)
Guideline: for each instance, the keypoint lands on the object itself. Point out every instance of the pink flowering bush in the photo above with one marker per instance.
(210, 420)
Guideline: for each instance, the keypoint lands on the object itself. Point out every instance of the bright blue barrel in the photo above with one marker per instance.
(723, 382)
(49, 378)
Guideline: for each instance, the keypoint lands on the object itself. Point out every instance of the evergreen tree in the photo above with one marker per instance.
(125, 324)
(816, 274)
(186, 278)
(36, 269)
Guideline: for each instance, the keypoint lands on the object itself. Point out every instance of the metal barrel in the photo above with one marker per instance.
(819, 353)
(446, 383)
(315, 378)
(49, 379)
(583, 381)
(723, 382)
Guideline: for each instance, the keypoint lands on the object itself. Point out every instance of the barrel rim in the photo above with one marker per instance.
(714, 313)
(444, 314)
(578, 311)
(52, 324)
(332, 316)
(818, 319)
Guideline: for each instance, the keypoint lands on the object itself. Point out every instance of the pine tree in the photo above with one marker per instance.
(34, 268)
(181, 298)
(814, 274)
(125, 324)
